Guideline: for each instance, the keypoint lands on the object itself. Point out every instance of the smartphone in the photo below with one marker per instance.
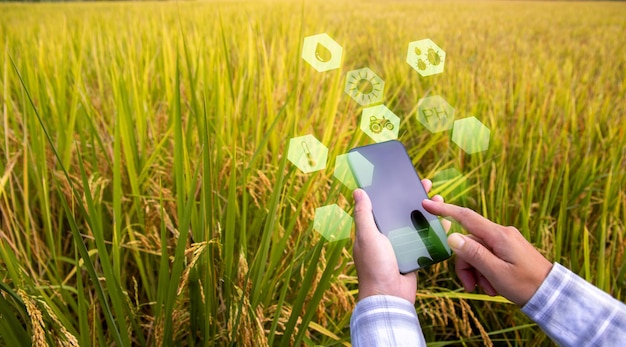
(384, 170)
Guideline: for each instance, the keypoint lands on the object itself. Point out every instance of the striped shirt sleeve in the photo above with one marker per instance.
(384, 320)
(573, 312)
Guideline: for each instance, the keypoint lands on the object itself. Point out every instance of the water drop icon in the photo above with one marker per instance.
(322, 53)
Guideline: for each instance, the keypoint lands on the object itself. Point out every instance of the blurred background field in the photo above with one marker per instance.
(145, 195)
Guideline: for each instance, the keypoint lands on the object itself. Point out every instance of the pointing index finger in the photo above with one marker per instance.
(471, 221)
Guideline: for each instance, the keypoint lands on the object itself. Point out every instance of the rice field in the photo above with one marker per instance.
(146, 197)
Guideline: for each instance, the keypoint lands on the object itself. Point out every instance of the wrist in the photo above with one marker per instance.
(386, 297)
(539, 278)
(407, 294)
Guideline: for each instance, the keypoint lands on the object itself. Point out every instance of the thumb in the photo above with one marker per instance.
(475, 254)
(363, 217)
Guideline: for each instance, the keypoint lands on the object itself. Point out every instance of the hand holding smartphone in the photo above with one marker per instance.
(384, 170)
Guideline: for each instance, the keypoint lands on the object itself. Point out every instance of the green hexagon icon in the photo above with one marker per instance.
(471, 135)
(322, 52)
(379, 123)
(364, 86)
(343, 172)
(354, 170)
(426, 57)
(450, 183)
(332, 222)
(307, 153)
(435, 113)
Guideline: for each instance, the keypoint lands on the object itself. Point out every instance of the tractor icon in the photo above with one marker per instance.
(377, 125)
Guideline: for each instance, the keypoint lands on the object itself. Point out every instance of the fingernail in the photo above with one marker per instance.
(456, 241)
(429, 202)
(358, 195)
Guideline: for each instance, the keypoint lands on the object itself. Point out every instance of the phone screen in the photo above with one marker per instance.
(384, 170)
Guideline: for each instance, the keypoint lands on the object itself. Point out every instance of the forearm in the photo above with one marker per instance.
(575, 313)
(384, 320)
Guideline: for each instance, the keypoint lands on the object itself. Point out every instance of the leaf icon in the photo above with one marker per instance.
(322, 53)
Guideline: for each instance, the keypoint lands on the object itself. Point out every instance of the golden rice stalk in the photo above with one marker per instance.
(486, 340)
(36, 319)
(65, 338)
(196, 251)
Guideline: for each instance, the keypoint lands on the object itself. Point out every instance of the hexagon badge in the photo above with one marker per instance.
(471, 135)
(379, 123)
(450, 183)
(447, 177)
(322, 52)
(364, 86)
(343, 172)
(332, 222)
(354, 170)
(362, 169)
(426, 57)
(435, 114)
(307, 153)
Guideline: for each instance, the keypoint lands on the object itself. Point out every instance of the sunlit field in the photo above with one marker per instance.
(146, 197)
